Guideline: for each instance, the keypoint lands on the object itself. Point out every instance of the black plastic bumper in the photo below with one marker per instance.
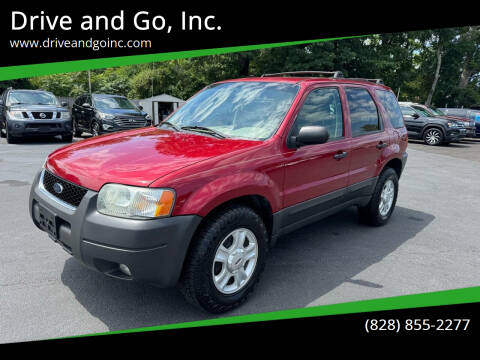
(153, 250)
(39, 127)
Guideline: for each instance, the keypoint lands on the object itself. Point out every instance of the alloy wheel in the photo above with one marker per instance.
(433, 136)
(386, 197)
(235, 260)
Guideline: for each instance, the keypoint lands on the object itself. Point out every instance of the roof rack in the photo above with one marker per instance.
(376, 81)
(333, 74)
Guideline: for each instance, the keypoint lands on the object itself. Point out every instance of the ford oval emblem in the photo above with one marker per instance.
(58, 188)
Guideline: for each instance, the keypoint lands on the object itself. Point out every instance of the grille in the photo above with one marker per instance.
(130, 122)
(71, 194)
(36, 115)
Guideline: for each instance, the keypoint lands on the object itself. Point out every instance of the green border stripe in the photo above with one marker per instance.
(26, 71)
(447, 297)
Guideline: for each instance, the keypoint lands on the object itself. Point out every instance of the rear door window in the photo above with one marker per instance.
(364, 117)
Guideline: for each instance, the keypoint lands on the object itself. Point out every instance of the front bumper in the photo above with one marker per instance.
(54, 127)
(455, 134)
(154, 250)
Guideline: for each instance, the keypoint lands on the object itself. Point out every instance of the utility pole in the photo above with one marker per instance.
(89, 83)
(398, 94)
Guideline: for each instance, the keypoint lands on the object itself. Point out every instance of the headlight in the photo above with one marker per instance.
(65, 115)
(105, 116)
(451, 124)
(17, 115)
(135, 202)
(148, 117)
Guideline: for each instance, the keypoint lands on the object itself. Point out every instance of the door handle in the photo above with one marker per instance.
(340, 155)
(381, 145)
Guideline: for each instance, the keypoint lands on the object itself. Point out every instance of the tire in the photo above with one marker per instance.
(67, 138)
(2, 130)
(10, 138)
(76, 131)
(433, 136)
(373, 214)
(95, 128)
(215, 240)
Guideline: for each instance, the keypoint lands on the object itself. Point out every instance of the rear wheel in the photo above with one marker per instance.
(433, 136)
(226, 259)
(384, 198)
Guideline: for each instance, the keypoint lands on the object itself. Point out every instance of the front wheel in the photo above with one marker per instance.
(433, 136)
(384, 198)
(76, 131)
(10, 138)
(226, 259)
(95, 128)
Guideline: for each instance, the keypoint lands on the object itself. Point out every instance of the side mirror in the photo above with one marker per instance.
(311, 135)
(415, 116)
(86, 105)
(64, 104)
(140, 107)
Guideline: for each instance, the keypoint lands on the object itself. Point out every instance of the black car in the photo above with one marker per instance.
(433, 130)
(104, 113)
(33, 112)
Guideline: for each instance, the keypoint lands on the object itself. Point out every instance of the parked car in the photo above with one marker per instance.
(32, 113)
(434, 130)
(470, 115)
(105, 113)
(199, 199)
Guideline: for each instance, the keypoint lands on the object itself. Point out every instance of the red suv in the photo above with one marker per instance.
(199, 199)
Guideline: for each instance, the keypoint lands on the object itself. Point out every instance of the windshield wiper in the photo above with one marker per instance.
(203, 129)
(169, 124)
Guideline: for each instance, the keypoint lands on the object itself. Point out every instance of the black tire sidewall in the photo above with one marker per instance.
(206, 293)
(388, 174)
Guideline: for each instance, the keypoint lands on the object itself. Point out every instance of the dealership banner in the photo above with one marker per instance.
(34, 35)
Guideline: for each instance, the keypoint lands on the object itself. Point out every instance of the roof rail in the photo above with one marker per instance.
(333, 74)
(376, 81)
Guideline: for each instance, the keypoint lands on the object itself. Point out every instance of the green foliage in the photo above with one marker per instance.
(405, 61)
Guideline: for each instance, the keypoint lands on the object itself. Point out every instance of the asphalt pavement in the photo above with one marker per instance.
(430, 244)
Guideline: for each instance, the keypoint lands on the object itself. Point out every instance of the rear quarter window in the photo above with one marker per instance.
(390, 104)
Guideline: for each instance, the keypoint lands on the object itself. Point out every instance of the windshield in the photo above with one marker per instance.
(437, 112)
(421, 112)
(250, 110)
(31, 98)
(113, 103)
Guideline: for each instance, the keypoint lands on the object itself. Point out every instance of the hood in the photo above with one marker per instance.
(136, 157)
(123, 112)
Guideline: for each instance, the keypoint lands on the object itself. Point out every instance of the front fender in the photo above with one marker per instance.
(223, 189)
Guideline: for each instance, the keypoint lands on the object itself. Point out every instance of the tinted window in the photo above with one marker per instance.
(113, 103)
(322, 107)
(389, 102)
(363, 111)
(407, 111)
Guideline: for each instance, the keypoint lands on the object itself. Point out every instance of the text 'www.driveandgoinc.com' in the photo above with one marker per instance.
(93, 44)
